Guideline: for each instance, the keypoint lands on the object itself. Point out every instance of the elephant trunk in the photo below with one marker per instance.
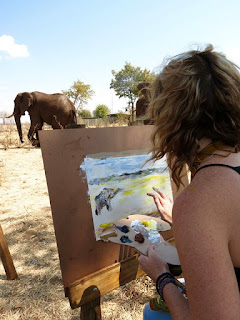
(18, 124)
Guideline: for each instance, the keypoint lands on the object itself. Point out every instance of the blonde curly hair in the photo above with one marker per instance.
(196, 95)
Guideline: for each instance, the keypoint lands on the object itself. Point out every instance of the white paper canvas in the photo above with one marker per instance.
(118, 186)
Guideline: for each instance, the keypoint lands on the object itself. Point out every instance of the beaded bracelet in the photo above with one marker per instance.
(162, 280)
(163, 284)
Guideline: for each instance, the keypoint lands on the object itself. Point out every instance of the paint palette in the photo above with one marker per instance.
(125, 231)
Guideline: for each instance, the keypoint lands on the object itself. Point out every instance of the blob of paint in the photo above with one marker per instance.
(124, 229)
(139, 238)
(125, 239)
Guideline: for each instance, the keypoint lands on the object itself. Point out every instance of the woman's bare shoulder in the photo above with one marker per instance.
(212, 192)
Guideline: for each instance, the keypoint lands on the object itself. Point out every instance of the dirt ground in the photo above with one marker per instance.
(25, 216)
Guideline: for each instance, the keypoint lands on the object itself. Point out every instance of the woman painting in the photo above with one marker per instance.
(195, 106)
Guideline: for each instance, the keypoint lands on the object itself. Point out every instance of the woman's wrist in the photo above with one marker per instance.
(164, 280)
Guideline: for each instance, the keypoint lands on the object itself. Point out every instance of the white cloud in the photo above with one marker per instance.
(8, 45)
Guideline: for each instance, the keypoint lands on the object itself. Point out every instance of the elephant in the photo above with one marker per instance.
(54, 109)
(142, 102)
(103, 199)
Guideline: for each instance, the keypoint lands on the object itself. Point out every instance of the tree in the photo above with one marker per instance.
(101, 111)
(125, 83)
(79, 93)
(84, 113)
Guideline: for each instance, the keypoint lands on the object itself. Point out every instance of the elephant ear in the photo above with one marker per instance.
(18, 98)
(144, 87)
(26, 101)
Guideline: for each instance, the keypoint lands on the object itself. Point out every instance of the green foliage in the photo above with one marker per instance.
(79, 93)
(126, 80)
(101, 111)
(84, 113)
(125, 83)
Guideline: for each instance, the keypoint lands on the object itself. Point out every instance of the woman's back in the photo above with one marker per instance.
(206, 220)
(230, 185)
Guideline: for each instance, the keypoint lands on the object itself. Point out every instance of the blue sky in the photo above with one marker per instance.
(46, 45)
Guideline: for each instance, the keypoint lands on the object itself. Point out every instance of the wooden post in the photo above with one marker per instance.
(6, 258)
(92, 309)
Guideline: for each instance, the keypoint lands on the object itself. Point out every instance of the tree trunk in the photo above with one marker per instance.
(132, 112)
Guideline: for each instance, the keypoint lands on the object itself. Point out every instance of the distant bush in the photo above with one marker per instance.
(101, 111)
(84, 113)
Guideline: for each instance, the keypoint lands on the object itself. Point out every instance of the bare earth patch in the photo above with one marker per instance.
(25, 216)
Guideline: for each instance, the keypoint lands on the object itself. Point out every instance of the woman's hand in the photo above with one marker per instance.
(152, 264)
(164, 204)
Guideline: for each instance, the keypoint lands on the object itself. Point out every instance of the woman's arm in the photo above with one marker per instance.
(154, 266)
(203, 219)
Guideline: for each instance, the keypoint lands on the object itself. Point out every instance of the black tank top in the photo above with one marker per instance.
(237, 169)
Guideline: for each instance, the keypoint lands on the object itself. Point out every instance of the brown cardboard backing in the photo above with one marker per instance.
(63, 152)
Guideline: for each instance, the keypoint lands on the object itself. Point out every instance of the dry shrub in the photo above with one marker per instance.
(103, 122)
(9, 136)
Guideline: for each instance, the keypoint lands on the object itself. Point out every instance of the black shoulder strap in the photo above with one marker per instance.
(237, 169)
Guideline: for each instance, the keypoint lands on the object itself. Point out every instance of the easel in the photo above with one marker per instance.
(6, 258)
(90, 268)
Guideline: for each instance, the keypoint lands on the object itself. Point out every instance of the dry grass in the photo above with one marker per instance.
(9, 136)
(26, 220)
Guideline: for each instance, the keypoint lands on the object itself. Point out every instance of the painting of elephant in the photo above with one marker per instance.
(103, 199)
(143, 100)
(54, 109)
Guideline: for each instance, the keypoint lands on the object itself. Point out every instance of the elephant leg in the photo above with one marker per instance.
(36, 142)
(31, 133)
(34, 130)
(56, 124)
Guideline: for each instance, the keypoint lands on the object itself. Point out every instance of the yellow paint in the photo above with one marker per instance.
(147, 179)
(144, 186)
(147, 200)
(152, 224)
(106, 225)
(128, 192)
(192, 190)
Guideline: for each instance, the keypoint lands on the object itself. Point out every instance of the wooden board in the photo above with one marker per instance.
(7, 258)
(63, 152)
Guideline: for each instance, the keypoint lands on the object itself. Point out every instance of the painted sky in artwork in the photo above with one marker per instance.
(95, 168)
(118, 186)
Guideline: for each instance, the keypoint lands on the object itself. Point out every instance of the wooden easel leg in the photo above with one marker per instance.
(6, 258)
(92, 309)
